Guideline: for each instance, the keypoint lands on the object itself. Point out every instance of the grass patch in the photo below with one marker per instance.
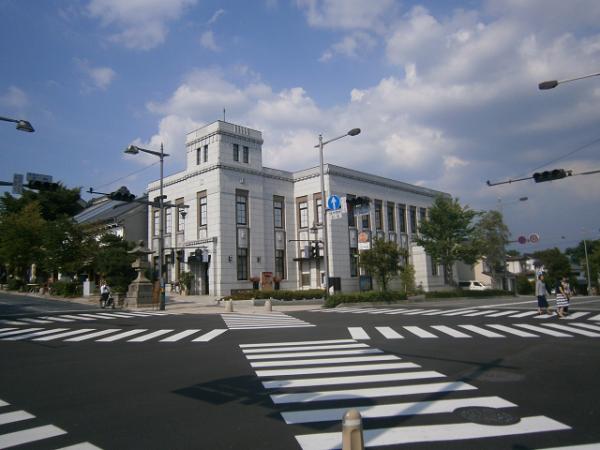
(364, 297)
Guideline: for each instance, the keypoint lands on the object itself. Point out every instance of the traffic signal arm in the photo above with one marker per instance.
(550, 175)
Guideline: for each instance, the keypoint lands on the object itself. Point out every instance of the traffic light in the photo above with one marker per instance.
(122, 194)
(550, 175)
(42, 185)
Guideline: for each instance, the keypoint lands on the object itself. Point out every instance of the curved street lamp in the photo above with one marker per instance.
(22, 125)
(551, 84)
(320, 145)
(134, 150)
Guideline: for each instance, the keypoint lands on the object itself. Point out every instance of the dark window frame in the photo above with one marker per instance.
(241, 207)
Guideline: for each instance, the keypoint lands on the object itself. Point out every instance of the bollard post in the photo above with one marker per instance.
(229, 306)
(268, 305)
(352, 432)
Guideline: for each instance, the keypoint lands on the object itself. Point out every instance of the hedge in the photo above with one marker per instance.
(277, 295)
(465, 293)
(66, 288)
(360, 297)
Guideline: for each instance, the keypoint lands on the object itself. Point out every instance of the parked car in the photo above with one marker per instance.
(472, 285)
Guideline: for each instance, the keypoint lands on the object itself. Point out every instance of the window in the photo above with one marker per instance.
(413, 219)
(350, 209)
(303, 212)
(205, 154)
(169, 220)
(197, 156)
(242, 263)
(241, 207)
(422, 215)
(353, 262)
(236, 152)
(181, 219)
(378, 216)
(245, 154)
(280, 263)
(202, 209)
(434, 268)
(390, 217)
(278, 210)
(156, 221)
(402, 218)
(318, 208)
(366, 221)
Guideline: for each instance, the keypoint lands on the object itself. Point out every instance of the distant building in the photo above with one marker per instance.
(247, 222)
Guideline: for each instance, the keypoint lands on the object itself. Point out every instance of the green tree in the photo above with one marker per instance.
(577, 255)
(448, 235)
(407, 278)
(491, 236)
(382, 261)
(65, 247)
(555, 263)
(62, 202)
(113, 262)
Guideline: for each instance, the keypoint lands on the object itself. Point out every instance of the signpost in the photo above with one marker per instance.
(17, 187)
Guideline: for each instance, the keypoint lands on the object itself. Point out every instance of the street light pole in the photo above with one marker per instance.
(587, 266)
(133, 150)
(551, 84)
(22, 125)
(352, 132)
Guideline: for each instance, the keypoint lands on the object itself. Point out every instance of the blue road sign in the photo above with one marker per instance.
(334, 203)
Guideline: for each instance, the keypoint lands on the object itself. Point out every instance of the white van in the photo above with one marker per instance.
(472, 285)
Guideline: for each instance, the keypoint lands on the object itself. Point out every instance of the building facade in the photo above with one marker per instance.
(244, 222)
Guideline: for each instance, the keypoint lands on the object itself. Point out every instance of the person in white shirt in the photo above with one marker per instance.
(104, 293)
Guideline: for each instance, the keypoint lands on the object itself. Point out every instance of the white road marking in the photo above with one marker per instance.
(481, 313)
(6, 329)
(572, 329)
(350, 394)
(30, 435)
(397, 409)
(358, 333)
(210, 335)
(335, 369)
(422, 311)
(65, 334)
(398, 311)
(303, 348)
(262, 327)
(542, 330)
(116, 337)
(415, 311)
(513, 331)
(594, 446)
(587, 325)
(69, 316)
(179, 336)
(482, 331)
(450, 331)
(382, 311)
(577, 315)
(81, 446)
(444, 311)
(85, 337)
(96, 316)
(15, 416)
(459, 313)
(14, 322)
(319, 361)
(524, 314)
(597, 317)
(502, 313)
(34, 334)
(149, 336)
(285, 344)
(432, 433)
(23, 330)
(366, 351)
(27, 319)
(388, 333)
(57, 319)
(112, 314)
(418, 331)
(353, 379)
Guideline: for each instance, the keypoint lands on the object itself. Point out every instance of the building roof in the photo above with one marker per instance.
(104, 209)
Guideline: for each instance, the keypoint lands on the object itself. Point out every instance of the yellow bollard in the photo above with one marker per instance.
(352, 432)
(268, 305)
(229, 306)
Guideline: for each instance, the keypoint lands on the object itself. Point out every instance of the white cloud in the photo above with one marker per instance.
(346, 14)
(207, 40)
(351, 46)
(218, 13)
(141, 24)
(96, 77)
(14, 99)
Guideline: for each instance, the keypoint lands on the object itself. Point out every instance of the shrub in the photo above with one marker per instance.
(465, 293)
(360, 297)
(15, 284)
(524, 286)
(65, 288)
(277, 295)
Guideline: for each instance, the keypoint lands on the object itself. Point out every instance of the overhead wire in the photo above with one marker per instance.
(128, 175)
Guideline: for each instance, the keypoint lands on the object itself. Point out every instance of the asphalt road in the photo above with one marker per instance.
(187, 381)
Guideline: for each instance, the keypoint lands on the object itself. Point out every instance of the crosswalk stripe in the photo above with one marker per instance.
(353, 379)
(396, 409)
(388, 333)
(286, 344)
(319, 361)
(210, 335)
(95, 316)
(524, 314)
(116, 337)
(130, 314)
(420, 311)
(414, 311)
(107, 315)
(571, 329)
(149, 336)
(116, 315)
(366, 351)
(304, 347)
(577, 315)
(358, 333)
(6, 329)
(418, 331)
(382, 311)
(3, 403)
(36, 333)
(15, 416)
(69, 316)
(502, 313)
(596, 317)
(594, 446)
(30, 320)
(513, 331)
(81, 446)
(544, 316)
(481, 313)
(450, 331)
(57, 319)
(23, 330)
(432, 433)
(368, 393)
(13, 322)
(268, 327)
(587, 325)
(444, 311)
(30, 435)
(481, 331)
(398, 311)
(542, 330)
(335, 369)
(179, 336)
(458, 313)
(62, 335)
(85, 337)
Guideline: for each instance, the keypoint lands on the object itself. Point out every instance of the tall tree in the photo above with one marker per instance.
(382, 261)
(555, 263)
(448, 235)
(53, 204)
(65, 247)
(491, 236)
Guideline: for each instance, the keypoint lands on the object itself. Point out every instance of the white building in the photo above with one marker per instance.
(245, 220)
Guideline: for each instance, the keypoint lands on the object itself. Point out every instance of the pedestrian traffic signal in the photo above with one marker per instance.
(122, 194)
(550, 175)
(359, 201)
(314, 251)
(39, 185)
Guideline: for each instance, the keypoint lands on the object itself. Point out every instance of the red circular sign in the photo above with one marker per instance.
(522, 240)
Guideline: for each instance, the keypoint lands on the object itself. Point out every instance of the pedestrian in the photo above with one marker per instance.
(104, 293)
(541, 292)
(562, 298)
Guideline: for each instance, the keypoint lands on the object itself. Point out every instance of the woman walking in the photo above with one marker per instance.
(541, 291)
(562, 298)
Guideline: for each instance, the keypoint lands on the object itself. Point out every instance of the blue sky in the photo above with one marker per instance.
(445, 93)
